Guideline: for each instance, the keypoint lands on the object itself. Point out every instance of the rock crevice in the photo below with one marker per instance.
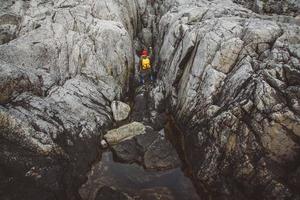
(228, 75)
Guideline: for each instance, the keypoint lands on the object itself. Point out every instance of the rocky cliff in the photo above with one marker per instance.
(230, 76)
(62, 63)
(287, 7)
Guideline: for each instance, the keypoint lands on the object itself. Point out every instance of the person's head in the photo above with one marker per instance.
(144, 53)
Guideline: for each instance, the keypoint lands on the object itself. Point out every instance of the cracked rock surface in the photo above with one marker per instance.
(289, 7)
(62, 63)
(151, 150)
(232, 80)
(228, 75)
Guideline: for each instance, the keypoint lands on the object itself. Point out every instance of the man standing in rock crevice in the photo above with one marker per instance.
(145, 68)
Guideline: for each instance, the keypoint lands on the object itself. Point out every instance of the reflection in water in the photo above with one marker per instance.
(137, 182)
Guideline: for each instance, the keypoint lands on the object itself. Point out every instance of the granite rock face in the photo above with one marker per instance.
(229, 76)
(288, 7)
(62, 63)
(232, 81)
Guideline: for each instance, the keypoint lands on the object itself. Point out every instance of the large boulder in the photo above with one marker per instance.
(161, 155)
(125, 132)
(231, 80)
(152, 150)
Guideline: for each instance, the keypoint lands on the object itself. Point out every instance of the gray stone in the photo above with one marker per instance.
(62, 63)
(127, 151)
(120, 110)
(161, 155)
(231, 79)
(229, 76)
(151, 150)
(125, 132)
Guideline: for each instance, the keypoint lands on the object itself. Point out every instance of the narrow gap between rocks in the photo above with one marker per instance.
(150, 165)
(147, 166)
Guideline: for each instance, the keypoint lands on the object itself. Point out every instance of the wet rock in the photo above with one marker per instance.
(161, 155)
(124, 132)
(140, 110)
(127, 151)
(136, 181)
(156, 194)
(150, 149)
(108, 193)
(144, 141)
(120, 110)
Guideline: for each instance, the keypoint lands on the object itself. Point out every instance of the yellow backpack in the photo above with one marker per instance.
(145, 63)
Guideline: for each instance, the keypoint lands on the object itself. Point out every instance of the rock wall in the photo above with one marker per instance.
(61, 65)
(232, 78)
(289, 7)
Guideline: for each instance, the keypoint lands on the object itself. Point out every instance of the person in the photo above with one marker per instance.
(145, 68)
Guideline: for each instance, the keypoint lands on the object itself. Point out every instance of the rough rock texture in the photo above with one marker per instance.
(290, 7)
(145, 145)
(151, 150)
(125, 132)
(120, 110)
(231, 77)
(232, 80)
(149, 105)
(62, 63)
(9, 22)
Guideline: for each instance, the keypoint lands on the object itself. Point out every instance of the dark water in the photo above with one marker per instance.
(137, 182)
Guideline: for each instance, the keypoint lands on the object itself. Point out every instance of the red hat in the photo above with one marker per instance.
(144, 53)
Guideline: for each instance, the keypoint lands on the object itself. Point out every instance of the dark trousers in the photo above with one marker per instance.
(145, 75)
